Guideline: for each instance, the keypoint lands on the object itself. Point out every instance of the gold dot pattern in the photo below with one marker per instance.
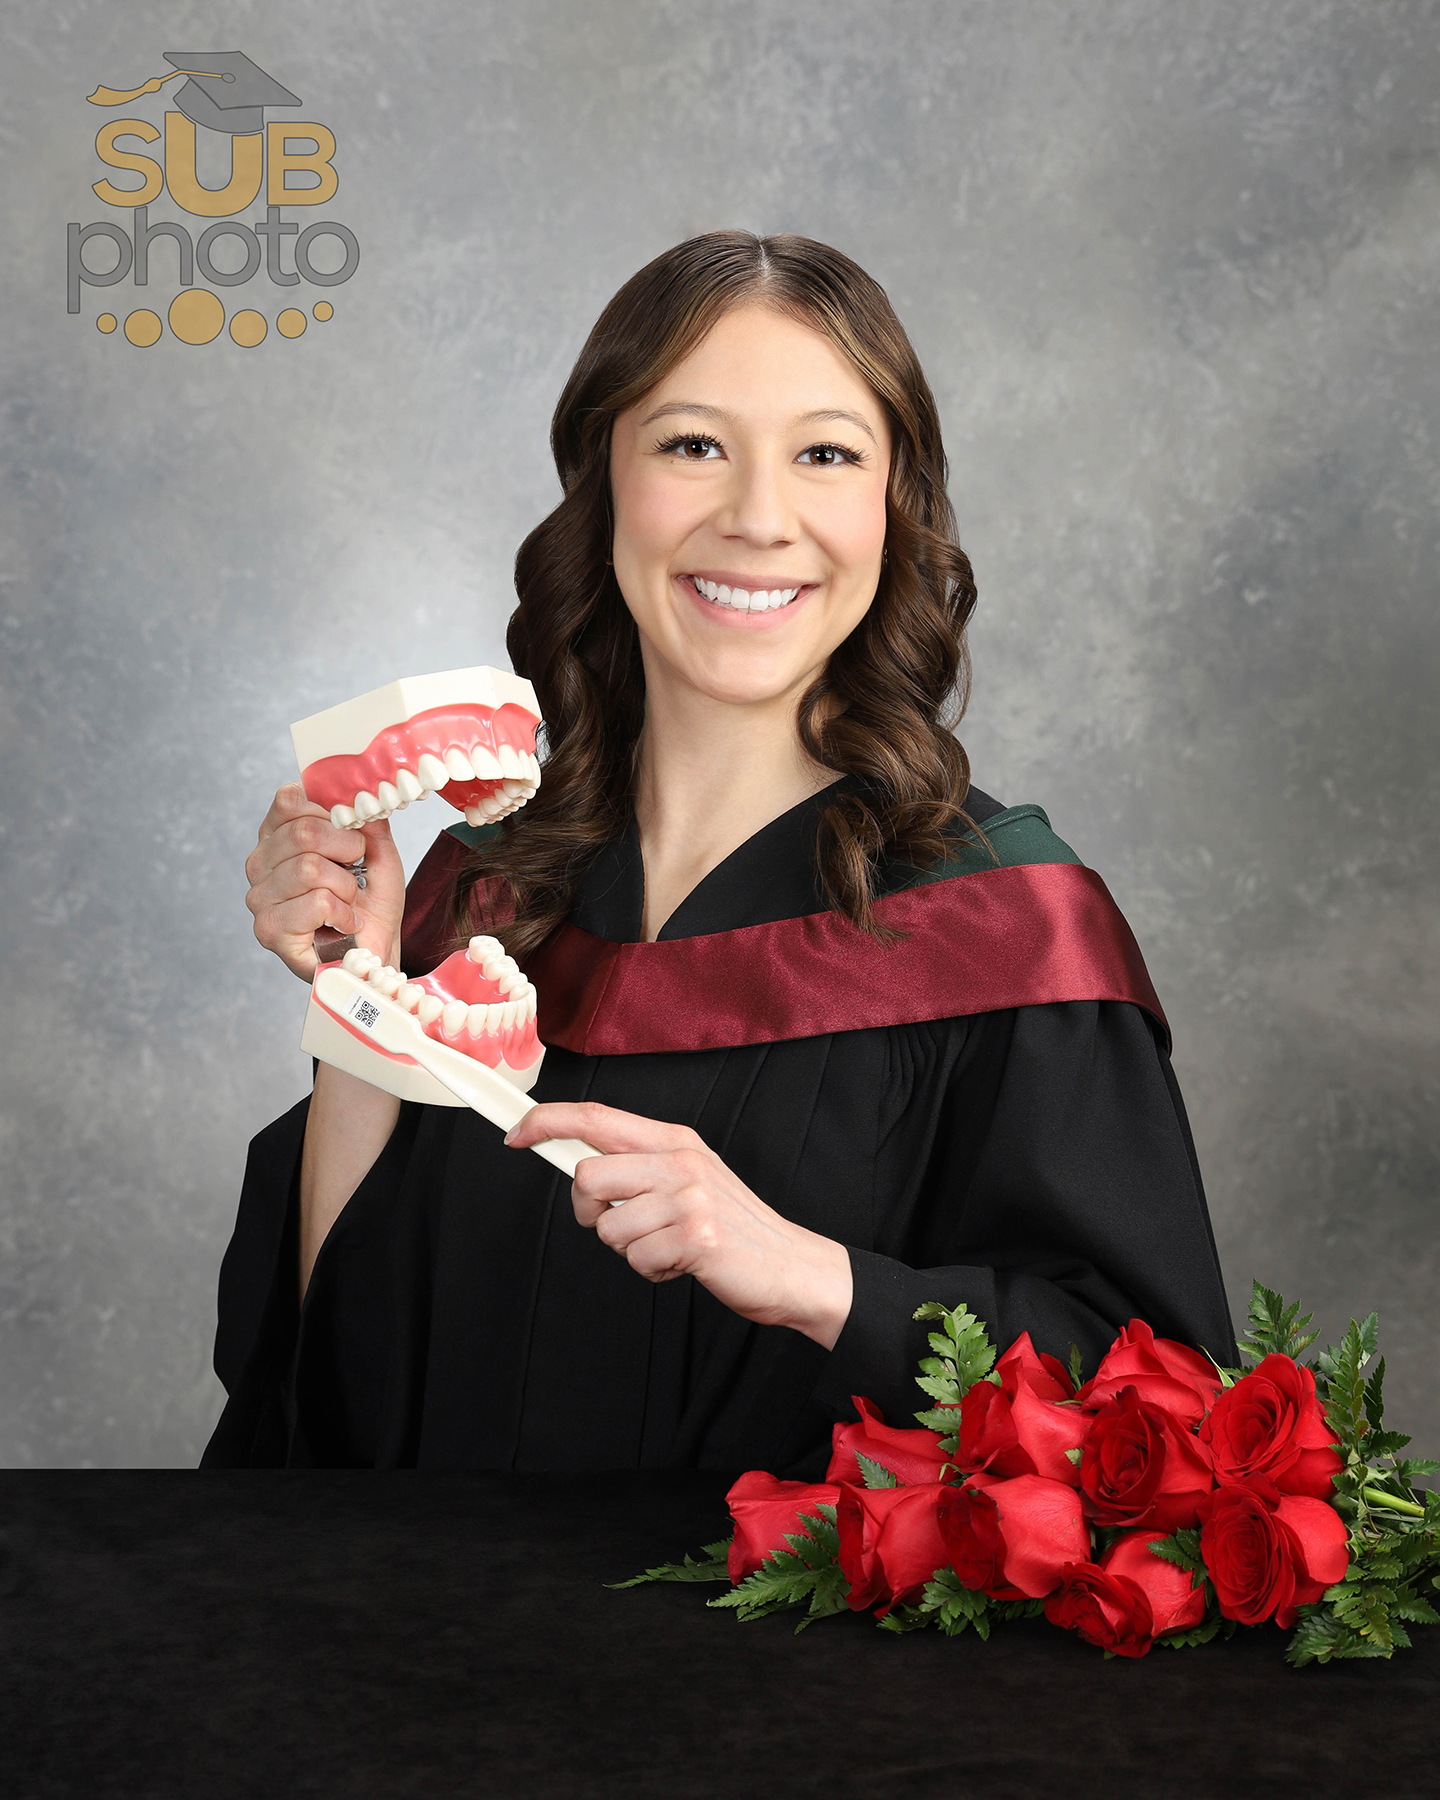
(143, 328)
(291, 322)
(196, 316)
(324, 310)
(105, 323)
(248, 329)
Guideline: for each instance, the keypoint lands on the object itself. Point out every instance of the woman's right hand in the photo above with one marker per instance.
(300, 879)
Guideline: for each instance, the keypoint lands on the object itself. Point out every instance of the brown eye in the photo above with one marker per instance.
(696, 446)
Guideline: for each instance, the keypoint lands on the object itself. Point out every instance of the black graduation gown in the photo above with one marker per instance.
(1034, 1162)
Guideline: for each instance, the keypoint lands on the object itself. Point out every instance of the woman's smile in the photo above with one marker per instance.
(746, 600)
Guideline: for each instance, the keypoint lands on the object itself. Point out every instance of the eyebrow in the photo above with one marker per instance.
(695, 408)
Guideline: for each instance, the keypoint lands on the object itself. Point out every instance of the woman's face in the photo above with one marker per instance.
(749, 493)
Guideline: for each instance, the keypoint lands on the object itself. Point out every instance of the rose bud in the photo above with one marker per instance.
(1140, 1466)
(1174, 1604)
(913, 1455)
(1010, 1539)
(1268, 1553)
(764, 1510)
(1107, 1610)
(1046, 1374)
(1014, 1431)
(1163, 1372)
(1271, 1424)
(890, 1544)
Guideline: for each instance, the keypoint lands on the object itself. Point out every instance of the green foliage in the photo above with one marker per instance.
(954, 1609)
(1077, 1368)
(1275, 1328)
(874, 1474)
(807, 1574)
(963, 1356)
(1182, 1548)
(713, 1565)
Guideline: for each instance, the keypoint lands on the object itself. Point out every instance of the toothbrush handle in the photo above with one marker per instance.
(495, 1099)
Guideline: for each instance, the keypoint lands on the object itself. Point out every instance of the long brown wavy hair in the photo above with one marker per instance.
(884, 706)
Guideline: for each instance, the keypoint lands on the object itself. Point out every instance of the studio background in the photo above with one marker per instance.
(1171, 266)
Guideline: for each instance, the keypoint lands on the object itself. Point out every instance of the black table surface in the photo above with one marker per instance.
(402, 1634)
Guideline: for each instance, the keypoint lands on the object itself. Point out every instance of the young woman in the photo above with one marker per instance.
(851, 1035)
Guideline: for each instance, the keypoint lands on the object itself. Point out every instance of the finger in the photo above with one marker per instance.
(289, 803)
(299, 919)
(621, 1175)
(606, 1127)
(312, 835)
(299, 875)
(661, 1255)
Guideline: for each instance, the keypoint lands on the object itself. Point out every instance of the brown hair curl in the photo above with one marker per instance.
(883, 707)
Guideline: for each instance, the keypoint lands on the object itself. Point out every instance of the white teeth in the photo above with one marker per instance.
(376, 975)
(509, 761)
(532, 768)
(452, 1019)
(342, 817)
(410, 788)
(494, 1016)
(723, 595)
(430, 1009)
(481, 947)
(389, 981)
(459, 765)
(433, 772)
(514, 789)
(486, 766)
(356, 962)
(388, 796)
(511, 1007)
(761, 600)
(475, 1020)
(367, 806)
(474, 816)
(410, 995)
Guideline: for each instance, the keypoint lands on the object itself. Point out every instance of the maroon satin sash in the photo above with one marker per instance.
(1023, 936)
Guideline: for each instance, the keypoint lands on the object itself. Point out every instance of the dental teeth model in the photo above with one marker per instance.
(461, 1036)
(466, 734)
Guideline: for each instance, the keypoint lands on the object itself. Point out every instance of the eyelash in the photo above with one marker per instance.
(672, 444)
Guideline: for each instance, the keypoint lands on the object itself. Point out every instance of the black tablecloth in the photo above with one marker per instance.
(257, 1634)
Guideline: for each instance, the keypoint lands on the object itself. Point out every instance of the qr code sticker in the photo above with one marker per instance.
(365, 1013)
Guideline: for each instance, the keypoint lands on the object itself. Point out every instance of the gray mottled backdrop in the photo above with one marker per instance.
(1172, 267)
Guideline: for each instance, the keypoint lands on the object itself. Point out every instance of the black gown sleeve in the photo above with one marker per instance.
(1036, 1164)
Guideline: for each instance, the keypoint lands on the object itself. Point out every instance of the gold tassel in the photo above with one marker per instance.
(104, 96)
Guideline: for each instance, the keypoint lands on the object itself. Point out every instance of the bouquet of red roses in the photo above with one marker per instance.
(1163, 1501)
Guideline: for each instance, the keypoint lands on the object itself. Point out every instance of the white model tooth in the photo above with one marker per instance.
(410, 788)
(494, 1013)
(410, 995)
(532, 769)
(482, 946)
(366, 806)
(475, 1020)
(459, 765)
(487, 768)
(430, 1008)
(452, 1019)
(372, 961)
(512, 787)
(356, 962)
(390, 982)
(474, 816)
(342, 817)
(433, 772)
(388, 795)
(511, 1008)
(376, 975)
(509, 761)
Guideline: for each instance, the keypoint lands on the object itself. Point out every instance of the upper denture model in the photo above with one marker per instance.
(466, 734)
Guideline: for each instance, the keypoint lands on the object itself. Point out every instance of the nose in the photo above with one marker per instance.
(758, 507)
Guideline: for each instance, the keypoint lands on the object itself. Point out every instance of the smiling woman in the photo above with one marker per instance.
(848, 1034)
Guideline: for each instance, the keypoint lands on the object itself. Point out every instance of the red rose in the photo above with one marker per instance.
(1174, 1604)
(890, 1544)
(1163, 1372)
(1141, 1467)
(764, 1509)
(1046, 1374)
(913, 1455)
(1110, 1611)
(1019, 1428)
(1268, 1553)
(1271, 1424)
(1010, 1539)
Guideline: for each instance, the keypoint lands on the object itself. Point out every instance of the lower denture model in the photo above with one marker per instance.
(466, 734)
(463, 1035)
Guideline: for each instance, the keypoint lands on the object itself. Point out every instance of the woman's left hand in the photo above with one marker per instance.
(685, 1213)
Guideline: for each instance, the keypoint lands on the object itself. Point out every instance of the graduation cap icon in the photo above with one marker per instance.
(226, 91)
